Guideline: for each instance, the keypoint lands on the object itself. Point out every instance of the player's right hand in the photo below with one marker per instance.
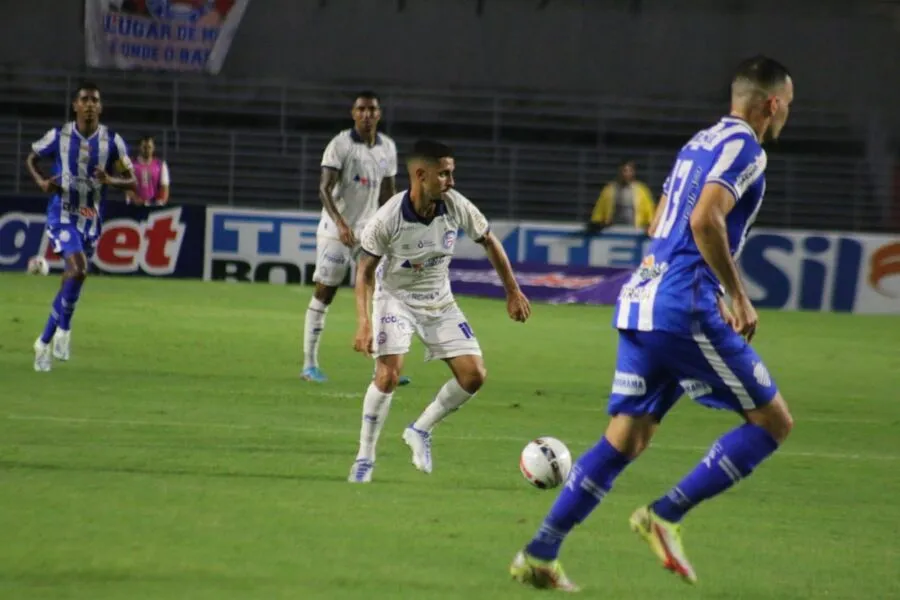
(51, 185)
(745, 318)
(346, 234)
(363, 340)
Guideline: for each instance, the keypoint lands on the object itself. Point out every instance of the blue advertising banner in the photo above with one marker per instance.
(158, 241)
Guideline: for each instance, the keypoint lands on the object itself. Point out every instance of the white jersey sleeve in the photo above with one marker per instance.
(376, 239)
(336, 152)
(470, 219)
(391, 170)
(164, 178)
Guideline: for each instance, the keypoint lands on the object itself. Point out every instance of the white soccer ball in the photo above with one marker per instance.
(545, 462)
(37, 265)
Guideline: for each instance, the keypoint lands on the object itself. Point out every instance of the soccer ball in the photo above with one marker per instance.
(545, 462)
(37, 265)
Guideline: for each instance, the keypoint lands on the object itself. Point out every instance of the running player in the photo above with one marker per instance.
(677, 335)
(359, 167)
(84, 153)
(413, 237)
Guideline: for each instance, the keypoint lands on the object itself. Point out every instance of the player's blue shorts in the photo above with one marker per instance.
(716, 367)
(67, 240)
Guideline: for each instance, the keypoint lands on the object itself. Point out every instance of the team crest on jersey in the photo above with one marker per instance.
(182, 10)
(650, 269)
(761, 373)
(449, 239)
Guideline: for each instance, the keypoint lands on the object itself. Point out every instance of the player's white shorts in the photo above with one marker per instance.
(444, 331)
(333, 260)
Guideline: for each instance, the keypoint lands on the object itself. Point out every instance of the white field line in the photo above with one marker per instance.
(355, 432)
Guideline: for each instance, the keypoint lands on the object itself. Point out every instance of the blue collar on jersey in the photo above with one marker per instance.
(354, 135)
(410, 215)
(741, 121)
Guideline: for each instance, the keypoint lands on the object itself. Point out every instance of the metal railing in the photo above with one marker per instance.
(514, 181)
(184, 100)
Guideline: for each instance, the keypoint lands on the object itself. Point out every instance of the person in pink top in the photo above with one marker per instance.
(152, 176)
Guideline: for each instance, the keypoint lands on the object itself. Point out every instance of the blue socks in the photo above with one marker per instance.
(590, 480)
(71, 290)
(730, 459)
(62, 309)
(53, 319)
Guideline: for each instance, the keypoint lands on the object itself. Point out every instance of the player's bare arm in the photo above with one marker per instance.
(388, 190)
(125, 181)
(517, 304)
(657, 215)
(327, 182)
(365, 288)
(711, 236)
(48, 185)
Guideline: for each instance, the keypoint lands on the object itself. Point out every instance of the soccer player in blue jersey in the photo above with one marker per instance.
(84, 154)
(676, 335)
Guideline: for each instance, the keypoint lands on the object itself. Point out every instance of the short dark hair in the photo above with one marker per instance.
(146, 138)
(761, 71)
(86, 86)
(430, 151)
(367, 95)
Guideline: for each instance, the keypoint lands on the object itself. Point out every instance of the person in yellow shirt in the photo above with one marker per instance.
(624, 201)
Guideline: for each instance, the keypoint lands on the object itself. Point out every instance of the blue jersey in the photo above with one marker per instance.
(674, 288)
(75, 158)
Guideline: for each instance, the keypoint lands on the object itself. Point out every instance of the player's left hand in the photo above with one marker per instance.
(363, 341)
(726, 313)
(101, 176)
(518, 307)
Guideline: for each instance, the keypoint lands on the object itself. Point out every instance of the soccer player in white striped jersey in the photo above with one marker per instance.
(359, 167)
(84, 155)
(677, 335)
(412, 237)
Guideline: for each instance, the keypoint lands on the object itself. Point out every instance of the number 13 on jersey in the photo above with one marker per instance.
(675, 199)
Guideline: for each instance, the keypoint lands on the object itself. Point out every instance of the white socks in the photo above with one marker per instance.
(448, 399)
(375, 411)
(312, 332)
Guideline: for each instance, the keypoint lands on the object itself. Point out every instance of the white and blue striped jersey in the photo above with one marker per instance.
(75, 158)
(674, 287)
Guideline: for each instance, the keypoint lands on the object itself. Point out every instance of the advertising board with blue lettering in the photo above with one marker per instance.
(787, 270)
(264, 246)
(783, 269)
(159, 241)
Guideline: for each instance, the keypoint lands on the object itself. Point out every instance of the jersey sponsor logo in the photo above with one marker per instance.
(695, 388)
(125, 245)
(629, 384)
(421, 244)
(425, 264)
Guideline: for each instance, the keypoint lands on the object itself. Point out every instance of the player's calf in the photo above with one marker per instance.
(733, 457)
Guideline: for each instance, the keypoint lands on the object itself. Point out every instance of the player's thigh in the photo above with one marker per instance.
(468, 370)
(392, 326)
(719, 369)
(642, 386)
(332, 262)
(446, 333)
(66, 240)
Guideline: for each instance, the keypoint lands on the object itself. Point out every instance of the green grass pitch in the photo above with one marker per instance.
(179, 456)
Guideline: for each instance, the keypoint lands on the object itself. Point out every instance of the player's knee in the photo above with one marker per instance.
(324, 293)
(387, 378)
(77, 272)
(774, 418)
(472, 379)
